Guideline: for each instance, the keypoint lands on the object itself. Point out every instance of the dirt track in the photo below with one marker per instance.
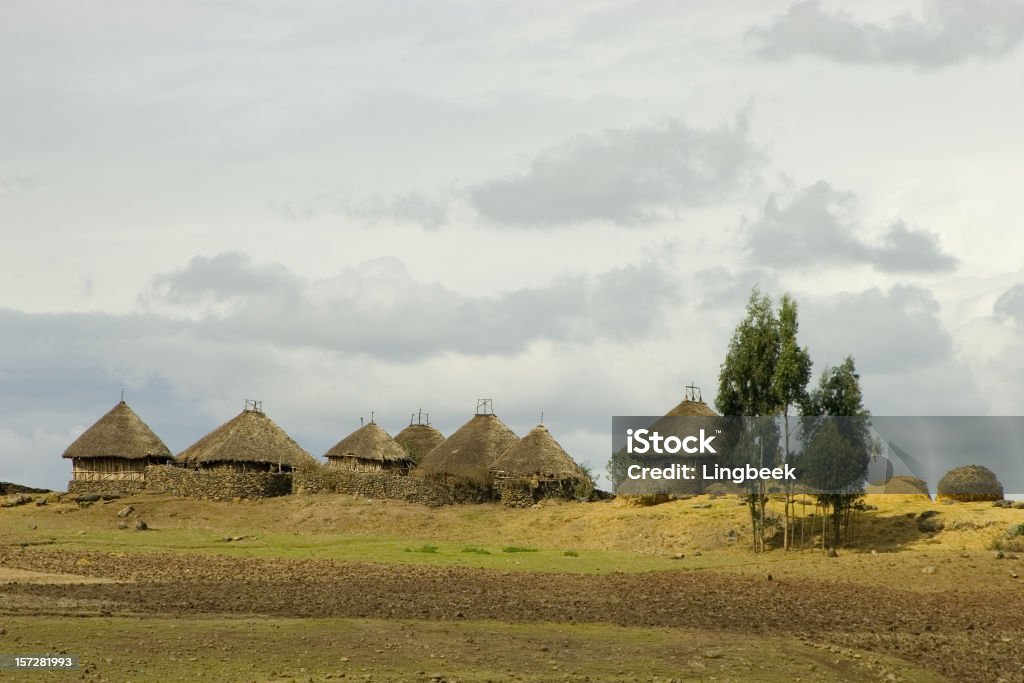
(969, 634)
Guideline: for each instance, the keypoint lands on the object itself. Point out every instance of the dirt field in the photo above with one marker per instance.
(179, 602)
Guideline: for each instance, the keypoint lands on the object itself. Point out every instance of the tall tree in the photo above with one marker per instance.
(765, 372)
(792, 374)
(837, 431)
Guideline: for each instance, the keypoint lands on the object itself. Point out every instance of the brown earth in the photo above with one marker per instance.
(962, 634)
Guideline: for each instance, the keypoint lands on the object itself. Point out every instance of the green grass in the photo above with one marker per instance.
(337, 547)
(477, 551)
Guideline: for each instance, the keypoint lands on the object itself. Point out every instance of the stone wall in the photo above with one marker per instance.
(105, 486)
(380, 484)
(217, 483)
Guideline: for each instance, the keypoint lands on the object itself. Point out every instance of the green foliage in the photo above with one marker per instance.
(426, 548)
(746, 378)
(476, 551)
(571, 553)
(517, 549)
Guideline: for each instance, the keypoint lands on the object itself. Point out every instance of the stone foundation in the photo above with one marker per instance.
(122, 486)
(380, 484)
(217, 483)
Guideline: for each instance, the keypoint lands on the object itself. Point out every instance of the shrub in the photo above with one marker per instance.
(517, 549)
(477, 551)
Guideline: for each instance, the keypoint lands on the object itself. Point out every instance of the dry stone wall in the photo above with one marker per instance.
(380, 484)
(217, 484)
(105, 486)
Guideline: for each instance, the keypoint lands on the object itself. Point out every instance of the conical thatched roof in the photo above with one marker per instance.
(469, 453)
(974, 482)
(249, 437)
(903, 485)
(369, 442)
(419, 439)
(538, 454)
(692, 409)
(118, 434)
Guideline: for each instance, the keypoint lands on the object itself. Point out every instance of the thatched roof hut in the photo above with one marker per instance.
(117, 448)
(119, 434)
(250, 441)
(901, 485)
(368, 449)
(970, 483)
(537, 455)
(688, 408)
(468, 454)
(419, 439)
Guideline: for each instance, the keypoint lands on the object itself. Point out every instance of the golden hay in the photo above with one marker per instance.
(119, 434)
(538, 454)
(970, 483)
(467, 455)
(250, 437)
(370, 442)
(419, 439)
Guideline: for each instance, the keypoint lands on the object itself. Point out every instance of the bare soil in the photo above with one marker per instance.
(959, 634)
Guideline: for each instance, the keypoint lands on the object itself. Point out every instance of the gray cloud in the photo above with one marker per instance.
(947, 32)
(379, 310)
(819, 226)
(626, 176)
(1010, 305)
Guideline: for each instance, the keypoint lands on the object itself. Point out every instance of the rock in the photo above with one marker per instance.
(140, 525)
(874, 553)
(928, 570)
(1013, 575)
(702, 506)
(697, 553)
(125, 511)
(86, 498)
(832, 552)
(678, 556)
(40, 501)
(122, 524)
(1018, 505)
(928, 513)
(238, 538)
(81, 533)
(930, 525)
(999, 554)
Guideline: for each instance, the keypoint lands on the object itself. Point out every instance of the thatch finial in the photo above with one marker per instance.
(419, 418)
(693, 393)
(484, 406)
(252, 406)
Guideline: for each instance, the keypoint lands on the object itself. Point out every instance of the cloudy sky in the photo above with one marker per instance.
(346, 207)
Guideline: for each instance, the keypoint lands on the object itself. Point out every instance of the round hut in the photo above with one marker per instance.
(249, 442)
(685, 419)
(902, 485)
(537, 467)
(369, 449)
(420, 437)
(465, 458)
(971, 483)
(113, 454)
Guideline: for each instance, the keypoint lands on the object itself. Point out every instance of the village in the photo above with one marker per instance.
(251, 456)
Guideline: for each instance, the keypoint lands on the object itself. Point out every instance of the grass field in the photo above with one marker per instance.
(70, 562)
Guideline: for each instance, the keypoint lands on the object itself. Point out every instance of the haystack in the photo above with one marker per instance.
(419, 439)
(467, 455)
(116, 449)
(971, 483)
(369, 449)
(901, 485)
(249, 442)
(540, 461)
